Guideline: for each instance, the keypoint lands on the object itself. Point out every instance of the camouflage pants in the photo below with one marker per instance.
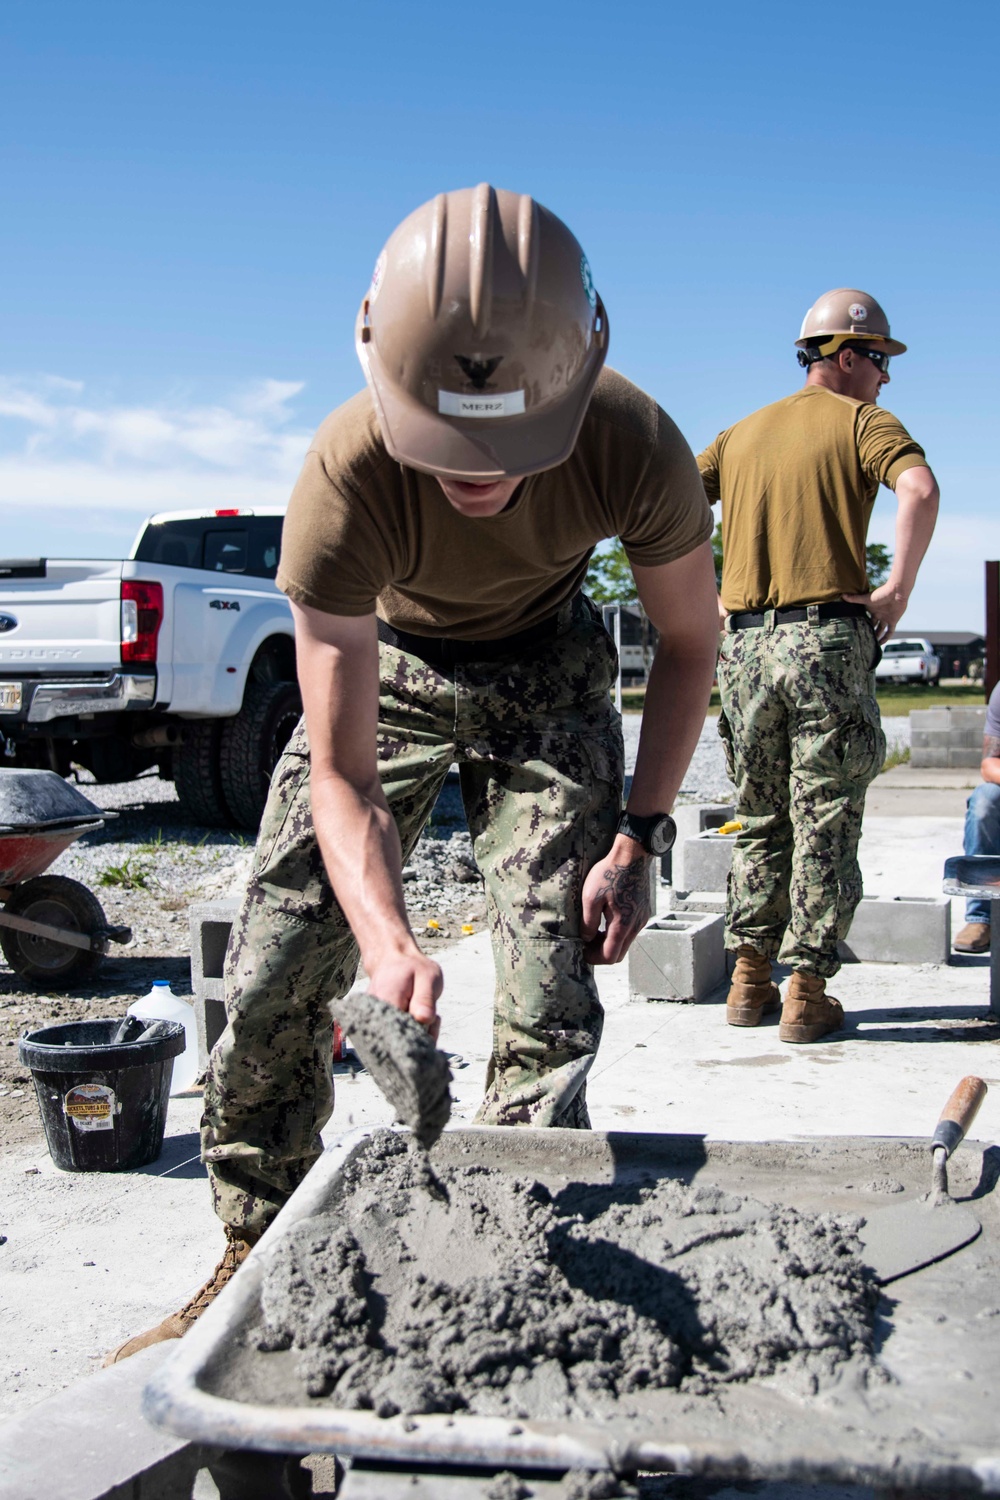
(803, 740)
(539, 750)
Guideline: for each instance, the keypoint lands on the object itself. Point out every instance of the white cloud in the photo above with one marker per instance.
(59, 449)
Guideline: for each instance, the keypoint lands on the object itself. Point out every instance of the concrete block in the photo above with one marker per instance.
(707, 860)
(91, 1442)
(930, 718)
(900, 930)
(966, 739)
(692, 819)
(960, 757)
(930, 739)
(210, 923)
(677, 957)
(928, 759)
(972, 719)
(710, 901)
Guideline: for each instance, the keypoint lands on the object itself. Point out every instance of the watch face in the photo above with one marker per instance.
(662, 835)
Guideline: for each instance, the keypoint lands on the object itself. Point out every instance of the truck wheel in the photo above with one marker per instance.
(252, 743)
(198, 774)
(59, 902)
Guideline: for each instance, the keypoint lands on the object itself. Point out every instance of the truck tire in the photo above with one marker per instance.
(198, 774)
(59, 902)
(251, 745)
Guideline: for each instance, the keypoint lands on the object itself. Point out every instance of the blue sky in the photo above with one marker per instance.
(194, 196)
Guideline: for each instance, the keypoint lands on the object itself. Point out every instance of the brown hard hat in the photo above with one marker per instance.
(481, 337)
(844, 314)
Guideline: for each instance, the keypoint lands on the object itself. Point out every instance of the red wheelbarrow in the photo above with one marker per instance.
(53, 931)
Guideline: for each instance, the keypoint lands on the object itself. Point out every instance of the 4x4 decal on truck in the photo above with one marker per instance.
(225, 604)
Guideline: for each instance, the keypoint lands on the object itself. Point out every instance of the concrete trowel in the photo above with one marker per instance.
(402, 1058)
(911, 1235)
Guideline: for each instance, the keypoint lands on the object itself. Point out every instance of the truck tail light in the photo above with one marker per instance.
(142, 616)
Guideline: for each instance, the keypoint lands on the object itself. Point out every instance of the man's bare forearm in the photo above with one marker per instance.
(360, 847)
(673, 717)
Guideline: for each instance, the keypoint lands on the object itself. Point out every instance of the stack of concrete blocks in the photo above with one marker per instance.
(210, 924)
(946, 737)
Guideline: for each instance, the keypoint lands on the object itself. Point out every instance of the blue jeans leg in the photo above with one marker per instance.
(982, 836)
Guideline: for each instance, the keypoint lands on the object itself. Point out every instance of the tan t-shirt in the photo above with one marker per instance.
(797, 481)
(361, 529)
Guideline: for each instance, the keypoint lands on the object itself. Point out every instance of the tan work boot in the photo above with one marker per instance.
(973, 938)
(751, 993)
(178, 1323)
(808, 1012)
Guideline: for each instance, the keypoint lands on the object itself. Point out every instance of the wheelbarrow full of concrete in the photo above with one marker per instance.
(53, 930)
(921, 1417)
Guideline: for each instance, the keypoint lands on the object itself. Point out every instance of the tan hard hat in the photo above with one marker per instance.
(844, 314)
(481, 337)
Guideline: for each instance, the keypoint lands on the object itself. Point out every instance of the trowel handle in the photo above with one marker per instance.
(959, 1113)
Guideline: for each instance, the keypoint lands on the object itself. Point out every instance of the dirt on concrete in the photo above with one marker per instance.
(481, 1292)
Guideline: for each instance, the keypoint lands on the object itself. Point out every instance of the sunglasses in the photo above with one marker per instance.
(877, 357)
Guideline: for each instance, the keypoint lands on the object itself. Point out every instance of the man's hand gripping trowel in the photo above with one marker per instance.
(404, 1061)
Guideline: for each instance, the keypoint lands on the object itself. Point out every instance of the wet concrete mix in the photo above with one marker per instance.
(471, 1290)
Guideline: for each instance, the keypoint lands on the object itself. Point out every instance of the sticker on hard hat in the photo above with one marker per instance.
(857, 312)
(588, 281)
(377, 275)
(505, 404)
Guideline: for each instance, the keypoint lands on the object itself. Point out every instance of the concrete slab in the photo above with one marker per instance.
(90, 1259)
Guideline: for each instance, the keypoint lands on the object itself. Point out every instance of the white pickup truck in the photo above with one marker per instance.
(908, 659)
(182, 656)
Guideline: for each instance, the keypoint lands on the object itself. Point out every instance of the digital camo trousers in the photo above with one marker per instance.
(803, 740)
(539, 749)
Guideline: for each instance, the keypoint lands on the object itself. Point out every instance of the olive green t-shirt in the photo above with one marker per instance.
(798, 481)
(362, 530)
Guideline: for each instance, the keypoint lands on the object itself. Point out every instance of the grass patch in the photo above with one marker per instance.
(896, 755)
(129, 876)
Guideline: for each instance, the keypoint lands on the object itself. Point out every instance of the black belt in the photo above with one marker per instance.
(747, 619)
(442, 651)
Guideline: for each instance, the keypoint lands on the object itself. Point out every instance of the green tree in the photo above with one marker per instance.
(609, 578)
(717, 554)
(878, 561)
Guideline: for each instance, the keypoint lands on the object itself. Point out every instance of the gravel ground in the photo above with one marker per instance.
(148, 865)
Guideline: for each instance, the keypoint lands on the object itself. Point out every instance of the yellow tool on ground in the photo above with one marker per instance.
(733, 827)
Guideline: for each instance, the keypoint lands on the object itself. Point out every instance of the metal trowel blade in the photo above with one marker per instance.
(911, 1235)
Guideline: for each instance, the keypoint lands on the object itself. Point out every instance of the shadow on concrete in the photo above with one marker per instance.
(928, 1023)
(180, 1157)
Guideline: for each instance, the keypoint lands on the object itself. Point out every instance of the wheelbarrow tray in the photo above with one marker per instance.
(27, 853)
(934, 1427)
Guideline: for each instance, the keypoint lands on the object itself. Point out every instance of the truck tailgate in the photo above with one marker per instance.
(70, 619)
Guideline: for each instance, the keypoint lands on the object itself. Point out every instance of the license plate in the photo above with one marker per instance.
(10, 697)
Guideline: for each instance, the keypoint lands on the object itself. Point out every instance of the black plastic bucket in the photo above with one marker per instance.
(104, 1108)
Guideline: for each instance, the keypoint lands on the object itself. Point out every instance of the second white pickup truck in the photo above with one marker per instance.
(181, 656)
(908, 659)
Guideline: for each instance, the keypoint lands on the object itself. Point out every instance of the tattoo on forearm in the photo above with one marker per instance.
(628, 888)
(991, 747)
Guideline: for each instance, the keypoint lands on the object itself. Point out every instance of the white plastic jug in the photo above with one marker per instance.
(161, 1004)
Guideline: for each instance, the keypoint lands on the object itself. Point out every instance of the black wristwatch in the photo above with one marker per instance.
(656, 833)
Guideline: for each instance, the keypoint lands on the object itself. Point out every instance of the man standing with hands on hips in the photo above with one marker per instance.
(434, 551)
(800, 722)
